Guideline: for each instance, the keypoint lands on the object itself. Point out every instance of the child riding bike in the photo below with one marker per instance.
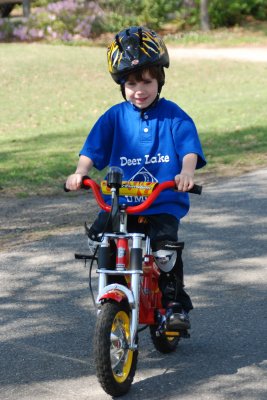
(150, 139)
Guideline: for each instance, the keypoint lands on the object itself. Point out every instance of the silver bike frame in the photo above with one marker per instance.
(131, 294)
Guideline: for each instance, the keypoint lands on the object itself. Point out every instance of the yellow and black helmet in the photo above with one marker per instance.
(134, 48)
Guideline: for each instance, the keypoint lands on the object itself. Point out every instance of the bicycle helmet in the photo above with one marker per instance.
(134, 48)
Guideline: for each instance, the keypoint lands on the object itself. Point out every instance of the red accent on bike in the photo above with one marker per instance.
(97, 193)
(130, 209)
(122, 259)
(150, 295)
(147, 203)
(116, 295)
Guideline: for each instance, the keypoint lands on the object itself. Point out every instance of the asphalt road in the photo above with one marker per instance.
(47, 317)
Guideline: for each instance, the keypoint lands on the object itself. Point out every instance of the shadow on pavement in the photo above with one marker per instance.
(47, 317)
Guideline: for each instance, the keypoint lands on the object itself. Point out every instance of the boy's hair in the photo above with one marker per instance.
(155, 71)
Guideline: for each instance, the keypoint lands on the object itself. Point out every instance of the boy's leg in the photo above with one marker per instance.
(172, 286)
(164, 227)
(101, 224)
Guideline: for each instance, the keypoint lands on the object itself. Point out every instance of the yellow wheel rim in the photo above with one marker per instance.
(120, 355)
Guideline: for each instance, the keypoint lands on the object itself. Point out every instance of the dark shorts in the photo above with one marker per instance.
(158, 227)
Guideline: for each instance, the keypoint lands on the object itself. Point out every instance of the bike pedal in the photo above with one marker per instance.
(171, 334)
(169, 245)
(84, 257)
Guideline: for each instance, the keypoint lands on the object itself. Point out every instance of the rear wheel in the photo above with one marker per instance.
(115, 362)
(164, 344)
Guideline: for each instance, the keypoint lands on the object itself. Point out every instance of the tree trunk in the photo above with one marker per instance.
(26, 8)
(204, 15)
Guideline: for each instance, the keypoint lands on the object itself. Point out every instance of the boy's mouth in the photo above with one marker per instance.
(141, 100)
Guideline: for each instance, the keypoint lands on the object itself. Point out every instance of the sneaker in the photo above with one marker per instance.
(176, 317)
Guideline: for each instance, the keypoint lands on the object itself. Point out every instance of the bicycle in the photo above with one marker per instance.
(123, 307)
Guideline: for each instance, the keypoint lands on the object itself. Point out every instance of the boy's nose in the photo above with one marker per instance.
(139, 88)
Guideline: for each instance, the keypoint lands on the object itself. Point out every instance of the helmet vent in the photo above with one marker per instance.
(140, 33)
(134, 48)
(118, 43)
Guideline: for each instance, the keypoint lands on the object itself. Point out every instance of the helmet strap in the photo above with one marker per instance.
(154, 102)
(122, 86)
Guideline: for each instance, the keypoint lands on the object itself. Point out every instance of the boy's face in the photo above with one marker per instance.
(141, 93)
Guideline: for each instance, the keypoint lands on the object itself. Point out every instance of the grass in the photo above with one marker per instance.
(52, 95)
(227, 101)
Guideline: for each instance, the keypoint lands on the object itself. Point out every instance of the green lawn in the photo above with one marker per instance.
(51, 96)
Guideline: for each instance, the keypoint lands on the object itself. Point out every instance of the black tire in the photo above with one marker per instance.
(164, 344)
(115, 364)
(5, 9)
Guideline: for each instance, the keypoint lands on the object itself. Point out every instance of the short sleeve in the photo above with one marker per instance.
(98, 144)
(186, 140)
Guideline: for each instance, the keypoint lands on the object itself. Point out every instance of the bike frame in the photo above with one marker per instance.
(142, 295)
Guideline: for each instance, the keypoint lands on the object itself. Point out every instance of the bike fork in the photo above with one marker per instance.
(136, 268)
(135, 271)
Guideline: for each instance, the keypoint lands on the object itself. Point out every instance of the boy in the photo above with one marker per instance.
(150, 139)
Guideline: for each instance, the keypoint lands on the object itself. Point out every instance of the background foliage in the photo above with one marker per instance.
(70, 20)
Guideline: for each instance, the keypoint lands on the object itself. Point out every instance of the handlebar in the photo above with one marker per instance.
(88, 183)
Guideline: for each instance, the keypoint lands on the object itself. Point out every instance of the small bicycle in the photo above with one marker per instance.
(129, 306)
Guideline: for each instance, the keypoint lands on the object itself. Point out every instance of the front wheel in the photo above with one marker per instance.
(164, 344)
(115, 362)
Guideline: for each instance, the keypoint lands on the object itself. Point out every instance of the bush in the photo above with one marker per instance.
(223, 13)
(149, 13)
(233, 12)
(82, 19)
(64, 20)
(78, 19)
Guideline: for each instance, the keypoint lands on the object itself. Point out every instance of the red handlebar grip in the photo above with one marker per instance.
(88, 183)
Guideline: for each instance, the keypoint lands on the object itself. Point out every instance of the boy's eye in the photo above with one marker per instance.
(147, 81)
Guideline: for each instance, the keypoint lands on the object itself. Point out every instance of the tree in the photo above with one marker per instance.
(204, 15)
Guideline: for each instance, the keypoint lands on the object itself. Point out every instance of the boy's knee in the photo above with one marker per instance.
(167, 255)
(165, 259)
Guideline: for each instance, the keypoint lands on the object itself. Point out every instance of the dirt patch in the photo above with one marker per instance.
(36, 217)
(252, 54)
(25, 220)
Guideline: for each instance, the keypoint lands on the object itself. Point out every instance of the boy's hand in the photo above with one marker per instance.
(74, 182)
(184, 182)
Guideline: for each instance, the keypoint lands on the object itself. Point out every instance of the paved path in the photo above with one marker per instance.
(253, 54)
(47, 317)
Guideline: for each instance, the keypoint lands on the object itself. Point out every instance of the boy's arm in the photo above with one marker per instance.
(185, 180)
(74, 181)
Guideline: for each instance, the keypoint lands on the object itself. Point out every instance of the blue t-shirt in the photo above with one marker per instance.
(148, 146)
